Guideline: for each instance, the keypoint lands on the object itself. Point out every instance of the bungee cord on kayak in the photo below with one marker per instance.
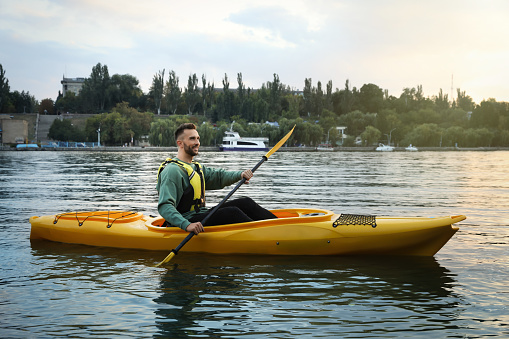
(108, 215)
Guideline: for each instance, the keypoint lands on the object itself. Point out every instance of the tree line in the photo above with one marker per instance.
(370, 113)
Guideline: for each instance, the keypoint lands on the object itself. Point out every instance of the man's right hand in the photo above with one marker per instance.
(195, 227)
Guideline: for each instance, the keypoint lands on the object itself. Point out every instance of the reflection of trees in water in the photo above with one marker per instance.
(214, 295)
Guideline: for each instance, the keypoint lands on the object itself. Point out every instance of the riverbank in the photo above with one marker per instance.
(216, 149)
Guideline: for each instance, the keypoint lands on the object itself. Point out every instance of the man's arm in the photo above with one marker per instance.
(217, 178)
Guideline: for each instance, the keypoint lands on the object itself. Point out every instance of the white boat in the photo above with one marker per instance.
(324, 147)
(411, 148)
(384, 148)
(232, 141)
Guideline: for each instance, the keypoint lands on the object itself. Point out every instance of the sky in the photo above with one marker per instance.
(394, 44)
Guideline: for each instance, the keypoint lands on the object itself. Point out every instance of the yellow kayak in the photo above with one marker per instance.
(294, 232)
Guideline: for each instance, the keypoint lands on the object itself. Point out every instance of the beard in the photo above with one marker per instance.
(189, 150)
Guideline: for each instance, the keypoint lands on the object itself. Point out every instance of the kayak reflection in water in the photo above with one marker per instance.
(181, 185)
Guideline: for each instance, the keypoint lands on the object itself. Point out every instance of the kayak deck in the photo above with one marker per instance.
(294, 232)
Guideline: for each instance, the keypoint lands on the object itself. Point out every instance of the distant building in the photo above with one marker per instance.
(342, 134)
(72, 85)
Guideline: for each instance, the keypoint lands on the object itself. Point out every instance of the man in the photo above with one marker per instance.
(181, 184)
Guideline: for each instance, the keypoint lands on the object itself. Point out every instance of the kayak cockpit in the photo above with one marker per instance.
(284, 216)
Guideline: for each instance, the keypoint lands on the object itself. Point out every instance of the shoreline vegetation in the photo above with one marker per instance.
(216, 149)
(116, 111)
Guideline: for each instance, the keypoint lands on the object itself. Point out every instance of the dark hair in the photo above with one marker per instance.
(183, 127)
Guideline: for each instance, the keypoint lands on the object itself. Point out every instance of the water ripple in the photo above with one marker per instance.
(61, 290)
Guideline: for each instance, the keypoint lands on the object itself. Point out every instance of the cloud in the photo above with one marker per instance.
(276, 26)
(393, 44)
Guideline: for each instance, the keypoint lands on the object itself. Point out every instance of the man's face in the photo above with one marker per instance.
(190, 141)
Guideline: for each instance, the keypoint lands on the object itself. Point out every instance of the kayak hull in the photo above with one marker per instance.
(295, 232)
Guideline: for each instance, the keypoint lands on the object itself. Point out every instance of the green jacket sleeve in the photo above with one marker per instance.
(217, 178)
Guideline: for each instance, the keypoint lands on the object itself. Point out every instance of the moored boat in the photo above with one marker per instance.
(324, 147)
(384, 148)
(411, 148)
(232, 141)
(294, 232)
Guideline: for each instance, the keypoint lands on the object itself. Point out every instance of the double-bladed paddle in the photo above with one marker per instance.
(191, 234)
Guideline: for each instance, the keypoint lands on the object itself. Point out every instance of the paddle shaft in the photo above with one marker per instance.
(218, 206)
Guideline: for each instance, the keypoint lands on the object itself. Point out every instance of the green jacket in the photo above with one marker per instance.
(172, 183)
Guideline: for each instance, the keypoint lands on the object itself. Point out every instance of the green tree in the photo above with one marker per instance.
(68, 103)
(371, 135)
(327, 120)
(97, 89)
(413, 99)
(121, 132)
(157, 89)
(4, 90)
(173, 93)
(314, 133)
(294, 103)
(225, 101)
(110, 128)
(125, 88)
(275, 87)
(486, 114)
(207, 134)
(454, 117)
(452, 136)
(357, 121)
(23, 102)
(241, 97)
(308, 96)
(425, 135)
(318, 99)
(464, 101)
(63, 130)
(192, 94)
(328, 97)
(484, 137)
(371, 98)
(427, 115)
(477, 137)
(345, 100)
(261, 109)
(207, 95)
(387, 119)
(501, 138)
(161, 130)
(305, 133)
(137, 123)
(206, 103)
(441, 101)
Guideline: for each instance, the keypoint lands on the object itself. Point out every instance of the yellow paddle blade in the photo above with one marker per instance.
(168, 258)
(280, 143)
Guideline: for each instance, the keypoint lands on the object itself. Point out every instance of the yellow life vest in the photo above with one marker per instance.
(194, 196)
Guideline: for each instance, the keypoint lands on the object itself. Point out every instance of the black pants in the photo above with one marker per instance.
(236, 211)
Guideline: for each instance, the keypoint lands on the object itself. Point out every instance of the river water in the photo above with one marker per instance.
(50, 290)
